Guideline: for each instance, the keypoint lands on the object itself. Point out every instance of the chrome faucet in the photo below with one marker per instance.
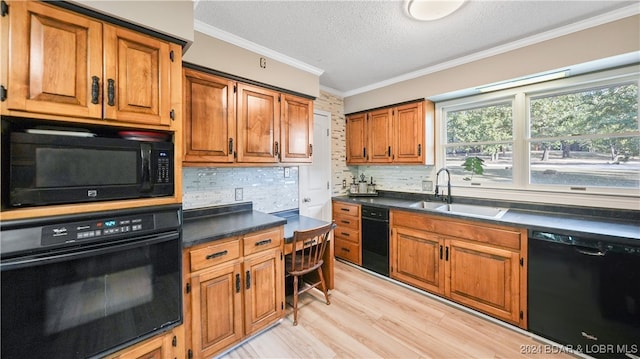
(448, 184)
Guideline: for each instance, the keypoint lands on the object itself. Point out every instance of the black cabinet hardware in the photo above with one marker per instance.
(111, 92)
(262, 243)
(95, 89)
(217, 254)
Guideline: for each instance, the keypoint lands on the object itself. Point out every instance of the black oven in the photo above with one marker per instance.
(84, 286)
(55, 166)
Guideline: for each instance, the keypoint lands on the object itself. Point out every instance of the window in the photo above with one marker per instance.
(485, 133)
(586, 138)
(580, 134)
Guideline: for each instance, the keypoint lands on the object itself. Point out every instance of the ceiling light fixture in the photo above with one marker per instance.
(428, 10)
(524, 81)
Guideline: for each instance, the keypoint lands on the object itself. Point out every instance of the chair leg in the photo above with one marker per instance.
(295, 300)
(323, 285)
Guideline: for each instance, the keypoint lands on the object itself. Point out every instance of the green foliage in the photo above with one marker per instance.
(602, 111)
(474, 165)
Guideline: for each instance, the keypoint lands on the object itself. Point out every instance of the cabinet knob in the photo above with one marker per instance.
(306, 199)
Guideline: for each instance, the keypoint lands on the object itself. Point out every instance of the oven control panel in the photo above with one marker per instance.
(96, 229)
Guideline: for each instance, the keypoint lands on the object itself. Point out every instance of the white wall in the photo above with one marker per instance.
(170, 17)
(599, 42)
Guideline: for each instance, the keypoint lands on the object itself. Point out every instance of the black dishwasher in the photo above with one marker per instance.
(375, 239)
(585, 293)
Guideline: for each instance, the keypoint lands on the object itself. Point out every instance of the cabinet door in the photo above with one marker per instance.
(209, 117)
(160, 347)
(356, 138)
(408, 124)
(216, 302)
(137, 73)
(55, 58)
(264, 289)
(258, 124)
(416, 259)
(484, 278)
(296, 129)
(380, 136)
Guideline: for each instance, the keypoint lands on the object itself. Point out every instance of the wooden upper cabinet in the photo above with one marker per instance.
(296, 129)
(401, 134)
(258, 124)
(232, 122)
(65, 64)
(380, 136)
(356, 138)
(409, 134)
(137, 75)
(55, 61)
(209, 117)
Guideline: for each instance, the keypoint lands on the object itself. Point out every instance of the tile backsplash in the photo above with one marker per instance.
(266, 187)
(397, 178)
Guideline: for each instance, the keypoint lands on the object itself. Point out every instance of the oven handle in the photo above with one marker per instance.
(98, 249)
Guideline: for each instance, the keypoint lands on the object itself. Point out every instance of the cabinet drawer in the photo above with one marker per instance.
(213, 254)
(260, 241)
(346, 221)
(347, 250)
(347, 234)
(497, 236)
(412, 220)
(346, 209)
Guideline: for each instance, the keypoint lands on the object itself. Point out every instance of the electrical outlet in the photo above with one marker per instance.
(287, 172)
(238, 194)
(427, 186)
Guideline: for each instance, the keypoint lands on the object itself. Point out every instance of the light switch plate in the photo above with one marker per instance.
(287, 172)
(238, 194)
(427, 186)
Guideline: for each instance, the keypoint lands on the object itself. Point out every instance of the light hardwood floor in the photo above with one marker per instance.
(370, 317)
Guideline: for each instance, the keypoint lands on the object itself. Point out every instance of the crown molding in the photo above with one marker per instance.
(332, 91)
(251, 46)
(621, 13)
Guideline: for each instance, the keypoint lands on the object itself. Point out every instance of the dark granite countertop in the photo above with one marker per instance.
(212, 223)
(295, 221)
(592, 222)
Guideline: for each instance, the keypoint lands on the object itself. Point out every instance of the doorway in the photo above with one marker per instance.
(315, 179)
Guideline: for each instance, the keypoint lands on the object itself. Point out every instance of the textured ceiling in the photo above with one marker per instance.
(362, 43)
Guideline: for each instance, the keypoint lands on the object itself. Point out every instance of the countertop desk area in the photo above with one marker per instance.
(213, 223)
(297, 222)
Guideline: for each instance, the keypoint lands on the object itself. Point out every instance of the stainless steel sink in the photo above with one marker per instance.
(473, 210)
(426, 205)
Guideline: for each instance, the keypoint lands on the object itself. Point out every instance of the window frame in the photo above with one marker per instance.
(520, 188)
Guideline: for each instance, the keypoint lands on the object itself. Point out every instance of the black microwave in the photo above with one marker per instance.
(49, 169)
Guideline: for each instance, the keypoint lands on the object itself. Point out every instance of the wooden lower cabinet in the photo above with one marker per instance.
(169, 345)
(485, 278)
(415, 259)
(476, 265)
(264, 290)
(236, 288)
(216, 309)
(347, 231)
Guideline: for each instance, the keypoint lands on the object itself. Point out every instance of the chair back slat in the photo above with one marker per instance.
(309, 247)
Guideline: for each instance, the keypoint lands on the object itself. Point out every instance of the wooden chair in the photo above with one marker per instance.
(306, 257)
